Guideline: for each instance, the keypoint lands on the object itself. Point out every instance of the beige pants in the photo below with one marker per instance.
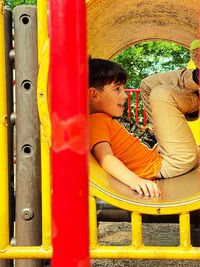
(167, 97)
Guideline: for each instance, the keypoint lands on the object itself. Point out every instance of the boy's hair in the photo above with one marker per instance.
(103, 72)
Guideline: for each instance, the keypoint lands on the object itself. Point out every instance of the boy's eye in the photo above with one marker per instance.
(117, 89)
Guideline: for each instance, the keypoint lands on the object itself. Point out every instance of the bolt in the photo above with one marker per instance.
(158, 210)
(27, 214)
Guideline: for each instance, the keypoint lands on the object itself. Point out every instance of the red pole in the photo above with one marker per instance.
(137, 107)
(145, 119)
(129, 105)
(68, 83)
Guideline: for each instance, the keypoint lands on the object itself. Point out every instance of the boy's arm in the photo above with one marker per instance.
(104, 155)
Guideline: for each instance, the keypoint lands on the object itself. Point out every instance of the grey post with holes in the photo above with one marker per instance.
(9, 96)
(28, 180)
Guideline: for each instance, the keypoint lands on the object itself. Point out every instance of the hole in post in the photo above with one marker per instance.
(26, 85)
(25, 18)
(27, 150)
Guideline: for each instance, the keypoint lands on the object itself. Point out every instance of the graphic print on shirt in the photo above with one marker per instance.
(146, 137)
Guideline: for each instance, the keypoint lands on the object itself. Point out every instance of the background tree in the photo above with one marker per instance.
(147, 58)
(13, 3)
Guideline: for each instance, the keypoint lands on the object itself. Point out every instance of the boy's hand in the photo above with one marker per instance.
(104, 155)
(146, 187)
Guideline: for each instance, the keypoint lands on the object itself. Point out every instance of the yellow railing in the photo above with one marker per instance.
(185, 251)
(4, 220)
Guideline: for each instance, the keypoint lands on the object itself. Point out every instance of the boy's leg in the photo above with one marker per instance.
(176, 142)
(181, 79)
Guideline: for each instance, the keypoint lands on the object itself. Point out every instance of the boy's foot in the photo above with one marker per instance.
(195, 76)
(194, 115)
(194, 52)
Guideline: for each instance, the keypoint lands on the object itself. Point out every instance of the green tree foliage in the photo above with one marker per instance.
(148, 58)
(13, 3)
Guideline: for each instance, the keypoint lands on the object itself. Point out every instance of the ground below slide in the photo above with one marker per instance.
(119, 233)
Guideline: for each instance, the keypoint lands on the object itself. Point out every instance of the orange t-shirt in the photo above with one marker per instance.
(136, 156)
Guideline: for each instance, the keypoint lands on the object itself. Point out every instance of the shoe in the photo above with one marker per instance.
(194, 52)
(195, 76)
(194, 115)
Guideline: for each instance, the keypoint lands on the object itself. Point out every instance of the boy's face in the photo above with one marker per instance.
(111, 99)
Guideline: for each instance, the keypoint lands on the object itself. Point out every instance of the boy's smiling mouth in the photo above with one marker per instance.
(121, 106)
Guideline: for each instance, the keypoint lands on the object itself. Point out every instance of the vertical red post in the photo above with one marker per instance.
(68, 83)
(137, 108)
(145, 119)
(129, 105)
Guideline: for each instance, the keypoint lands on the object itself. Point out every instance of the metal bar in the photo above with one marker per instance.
(42, 26)
(110, 252)
(132, 90)
(4, 217)
(28, 169)
(45, 133)
(145, 119)
(185, 236)
(93, 222)
(69, 109)
(137, 106)
(176, 253)
(136, 223)
(34, 252)
(9, 93)
(137, 91)
(45, 128)
(129, 105)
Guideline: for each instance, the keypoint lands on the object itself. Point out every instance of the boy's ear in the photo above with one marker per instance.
(93, 93)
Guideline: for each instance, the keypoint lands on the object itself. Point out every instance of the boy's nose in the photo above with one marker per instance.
(124, 95)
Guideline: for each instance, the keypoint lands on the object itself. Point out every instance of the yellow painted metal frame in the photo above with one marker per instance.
(137, 249)
(45, 250)
(4, 219)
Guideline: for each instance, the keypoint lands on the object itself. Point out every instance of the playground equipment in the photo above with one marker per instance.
(30, 153)
(112, 26)
(28, 217)
(123, 25)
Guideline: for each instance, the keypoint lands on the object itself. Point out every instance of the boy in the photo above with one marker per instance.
(121, 154)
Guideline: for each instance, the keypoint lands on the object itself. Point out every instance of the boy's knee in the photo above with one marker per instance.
(161, 93)
(147, 82)
(143, 85)
(184, 101)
